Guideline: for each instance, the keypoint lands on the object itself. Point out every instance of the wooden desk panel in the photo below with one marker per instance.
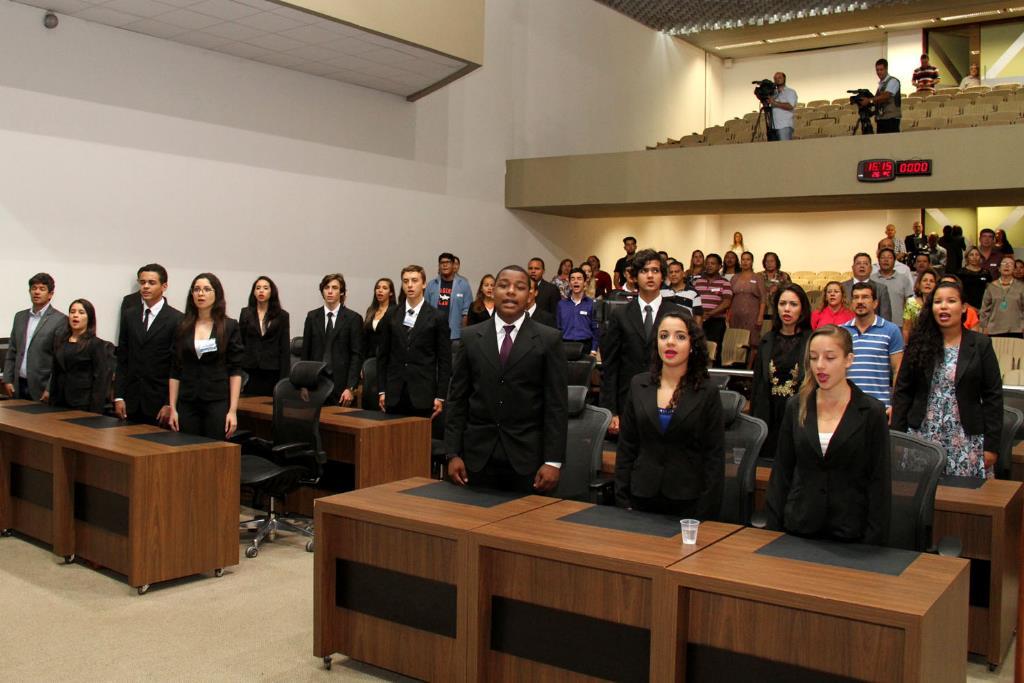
(987, 520)
(403, 540)
(595, 579)
(741, 609)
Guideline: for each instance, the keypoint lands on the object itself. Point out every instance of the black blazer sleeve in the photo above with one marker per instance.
(101, 371)
(556, 399)
(284, 342)
(991, 395)
(443, 345)
(307, 338)
(626, 454)
(176, 364)
(880, 480)
(384, 349)
(903, 396)
(123, 356)
(458, 400)
(709, 505)
(782, 470)
(235, 352)
(611, 351)
(355, 349)
(759, 393)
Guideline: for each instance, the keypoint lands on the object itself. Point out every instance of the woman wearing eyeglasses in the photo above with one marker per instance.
(206, 364)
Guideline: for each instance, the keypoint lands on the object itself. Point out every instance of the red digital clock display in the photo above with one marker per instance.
(882, 170)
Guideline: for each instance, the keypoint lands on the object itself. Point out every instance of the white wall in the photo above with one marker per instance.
(903, 50)
(120, 149)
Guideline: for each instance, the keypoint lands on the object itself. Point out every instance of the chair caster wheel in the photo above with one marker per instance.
(309, 546)
(6, 532)
(219, 572)
(69, 559)
(327, 662)
(143, 589)
(252, 551)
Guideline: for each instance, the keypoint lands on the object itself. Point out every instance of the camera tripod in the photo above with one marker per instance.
(769, 123)
(863, 123)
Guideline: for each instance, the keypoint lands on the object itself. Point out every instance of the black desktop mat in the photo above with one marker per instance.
(608, 517)
(865, 558)
(39, 409)
(174, 438)
(481, 498)
(370, 415)
(961, 482)
(98, 422)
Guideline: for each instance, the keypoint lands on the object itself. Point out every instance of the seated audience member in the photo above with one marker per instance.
(730, 265)
(831, 478)
(602, 280)
(334, 334)
(949, 389)
(144, 351)
(924, 286)
(450, 293)
(716, 298)
(748, 301)
(1003, 244)
(482, 307)
(972, 319)
(1002, 307)
(536, 313)
(507, 414)
(862, 274)
(81, 365)
(670, 456)
(778, 369)
(1018, 269)
(774, 278)
(835, 310)
(975, 278)
(990, 253)
(629, 246)
(972, 79)
(382, 303)
(877, 345)
(590, 288)
(206, 365)
(696, 268)
(414, 361)
(547, 295)
(576, 317)
(266, 335)
(29, 359)
(937, 254)
(561, 279)
(898, 286)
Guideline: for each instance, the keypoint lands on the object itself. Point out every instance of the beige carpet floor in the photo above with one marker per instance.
(73, 623)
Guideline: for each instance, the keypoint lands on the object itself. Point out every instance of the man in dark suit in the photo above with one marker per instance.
(536, 313)
(29, 359)
(508, 404)
(628, 339)
(334, 334)
(548, 295)
(414, 359)
(145, 342)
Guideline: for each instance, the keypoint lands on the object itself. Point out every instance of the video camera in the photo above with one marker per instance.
(765, 89)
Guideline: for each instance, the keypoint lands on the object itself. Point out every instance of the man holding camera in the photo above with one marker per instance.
(886, 100)
(782, 103)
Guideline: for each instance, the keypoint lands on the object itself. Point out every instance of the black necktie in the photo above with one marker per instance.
(330, 322)
(145, 319)
(506, 345)
(330, 328)
(648, 320)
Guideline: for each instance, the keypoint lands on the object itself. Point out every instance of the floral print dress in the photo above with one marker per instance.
(965, 455)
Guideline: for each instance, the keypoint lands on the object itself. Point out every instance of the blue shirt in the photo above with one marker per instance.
(664, 417)
(458, 306)
(871, 370)
(577, 322)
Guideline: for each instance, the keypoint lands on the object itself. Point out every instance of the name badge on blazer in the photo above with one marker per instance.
(583, 312)
(206, 346)
(459, 295)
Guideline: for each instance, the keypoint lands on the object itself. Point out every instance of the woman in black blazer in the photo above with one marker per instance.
(671, 437)
(383, 302)
(831, 474)
(949, 389)
(80, 377)
(265, 328)
(206, 364)
(482, 307)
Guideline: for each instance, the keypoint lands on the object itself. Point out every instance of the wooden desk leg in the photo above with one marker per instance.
(668, 630)
(6, 516)
(64, 504)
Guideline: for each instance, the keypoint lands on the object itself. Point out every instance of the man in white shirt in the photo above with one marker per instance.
(782, 103)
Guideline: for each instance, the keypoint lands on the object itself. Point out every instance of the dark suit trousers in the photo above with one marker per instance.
(405, 406)
(714, 330)
(203, 418)
(144, 419)
(683, 509)
(22, 392)
(498, 474)
(261, 382)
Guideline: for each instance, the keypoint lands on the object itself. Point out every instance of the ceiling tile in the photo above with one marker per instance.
(315, 68)
(242, 50)
(311, 35)
(233, 31)
(297, 15)
(61, 6)
(224, 9)
(261, 5)
(200, 39)
(275, 42)
(386, 56)
(152, 27)
(110, 17)
(188, 19)
(269, 22)
(142, 8)
(340, 28)
(351, 46)
(180, 3)
(313, 53)
(278, 59)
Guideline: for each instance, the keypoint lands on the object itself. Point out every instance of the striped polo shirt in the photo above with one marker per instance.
(871, 371)
(712, 289)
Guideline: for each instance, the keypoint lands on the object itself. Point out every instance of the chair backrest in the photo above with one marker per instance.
(573, 349)
(1012, 419)
(735, 346)
(297, 403)
(295, 347)
(744, 437)
(370, 388)
(1015, 399)
(587, 427)
(915, 466)
(580, 371)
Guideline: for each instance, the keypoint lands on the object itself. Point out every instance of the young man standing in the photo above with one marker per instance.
(899, 286)
(145, 338)
(334, 334)
(536, 313)
(716, 297)
(877, 346)
(414, 359)
(548, 294)
(575, 317)
(629, 244)
(508, 407)
(451, 294)
(862, 273)
(684, 294)
(990, 255)
(29, 359)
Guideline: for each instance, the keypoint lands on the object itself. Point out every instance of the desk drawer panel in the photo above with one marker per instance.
(34, 454)
(32, 485)
(101, 473)
(804, 642)
(32, 520)
(974, 532)
(98, 545)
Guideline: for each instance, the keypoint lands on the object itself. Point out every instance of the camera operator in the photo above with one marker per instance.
(886, 99)
(783, 102)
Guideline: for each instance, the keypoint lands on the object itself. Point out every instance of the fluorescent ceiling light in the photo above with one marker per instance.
(789, 38)
(840, 32)
(904, 24)
(738, 45)
(972, 15)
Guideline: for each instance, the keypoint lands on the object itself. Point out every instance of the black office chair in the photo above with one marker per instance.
(295, 349)
(294, 458)
(915, 467)
(745, 433)
(1015, 399)
(581, 370)
(720, 380)
(573, 350)
(585, 442)
(1012, 421)
(370, 388)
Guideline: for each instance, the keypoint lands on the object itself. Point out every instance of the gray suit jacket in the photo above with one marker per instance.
(884, 305)
(40, 351)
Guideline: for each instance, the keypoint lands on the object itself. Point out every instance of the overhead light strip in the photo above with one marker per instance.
(971, 15)
(789, 38)
(905, 24)
(739, 45)
(839, 32)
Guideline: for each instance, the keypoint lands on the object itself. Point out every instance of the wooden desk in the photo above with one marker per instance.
(987, 520)
(150, 511)
(1017, 463)
(558, 600)
(745, 616)
(380, 450)
(391, 578)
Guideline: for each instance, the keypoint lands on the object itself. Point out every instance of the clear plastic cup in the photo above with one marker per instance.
(737, 455)
(689, 529)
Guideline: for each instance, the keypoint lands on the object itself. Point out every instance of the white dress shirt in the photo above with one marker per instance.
(410, 319)
(34, 318)
(655, 304)
(154, 311)
(335, 311)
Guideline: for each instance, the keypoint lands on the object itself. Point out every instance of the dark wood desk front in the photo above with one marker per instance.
(987, 520)
(741, 612)
(381, 451)
(558, 600)
(150, 511)
(391, 579)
